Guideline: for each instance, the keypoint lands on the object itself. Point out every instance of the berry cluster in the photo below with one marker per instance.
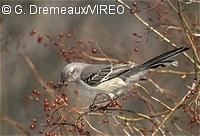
(193, 107)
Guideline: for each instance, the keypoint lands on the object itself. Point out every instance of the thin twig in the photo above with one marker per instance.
(14, 124)
(187, 30)
(172, 72)
(170, 114)
(124, 130)
(155, 99)
(189, 37)
(99, 58)
(36, 73)
(93, 128)
(180, 129)
(155, 31)
(138, 130)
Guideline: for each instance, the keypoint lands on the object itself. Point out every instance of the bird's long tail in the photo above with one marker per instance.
(163, 60)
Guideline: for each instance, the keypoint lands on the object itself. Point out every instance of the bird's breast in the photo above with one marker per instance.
(112, 85)
(104, 87)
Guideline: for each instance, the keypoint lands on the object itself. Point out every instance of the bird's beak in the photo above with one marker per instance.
(64, 82)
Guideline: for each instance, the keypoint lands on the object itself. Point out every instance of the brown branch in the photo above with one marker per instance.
(180, 129)
(172, 72)
(93, 128)
(155, 99)
(99, 59)
(154, 30)
(189, 36)
(187, 31)
(36, 74)
(117, 122)
(170, 114)
(14, 124)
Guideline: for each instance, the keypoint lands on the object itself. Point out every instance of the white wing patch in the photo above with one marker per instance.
(102, 74)
(107, 76)
(111, 85)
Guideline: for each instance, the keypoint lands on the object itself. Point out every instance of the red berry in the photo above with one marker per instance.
(94, 51)
(61, 35)
(47, 134)
(63, 95)
(45, 100)
(46, 104)
(105, 121)
(62, 50)
(71, 51)
(41, 131)
(49, 108)
(56, 100)
(69, 35)
(48, 120)
(134, 4)
(188, 96)
(34, 91)
(33, 32)
(37, 99)
(32, 126)
(136, 49)
(39, 39)
(65, 99)
(34, 120)
(53, 105)
(50, 82)
(38, 93)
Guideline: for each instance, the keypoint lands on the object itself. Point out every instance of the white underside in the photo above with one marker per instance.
(105, 87)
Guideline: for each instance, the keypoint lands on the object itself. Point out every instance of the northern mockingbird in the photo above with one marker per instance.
(92, 79)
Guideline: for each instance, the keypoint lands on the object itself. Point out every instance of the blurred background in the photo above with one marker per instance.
(121, 37)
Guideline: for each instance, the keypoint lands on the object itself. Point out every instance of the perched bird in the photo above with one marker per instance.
(112, 79)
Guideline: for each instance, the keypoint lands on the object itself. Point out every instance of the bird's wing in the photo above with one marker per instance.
(95, 74)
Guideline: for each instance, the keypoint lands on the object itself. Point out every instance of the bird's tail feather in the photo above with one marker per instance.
(164, 59)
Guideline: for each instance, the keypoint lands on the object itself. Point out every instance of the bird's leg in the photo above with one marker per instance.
(94, 103)
(112, 96)
(92, 107)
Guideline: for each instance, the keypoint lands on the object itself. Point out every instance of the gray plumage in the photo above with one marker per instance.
(111, 79)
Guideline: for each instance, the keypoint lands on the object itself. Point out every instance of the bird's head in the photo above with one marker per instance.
(71, 72)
